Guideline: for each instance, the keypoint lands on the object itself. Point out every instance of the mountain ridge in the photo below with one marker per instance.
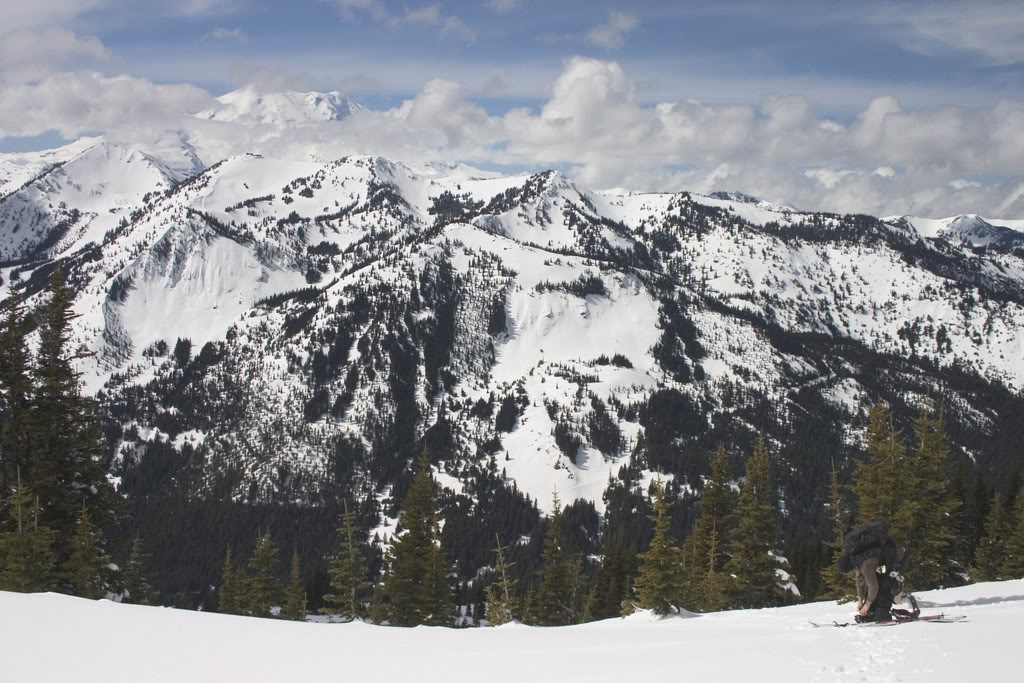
(295, 332)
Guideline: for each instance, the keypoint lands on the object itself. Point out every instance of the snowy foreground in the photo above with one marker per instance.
(48, 637)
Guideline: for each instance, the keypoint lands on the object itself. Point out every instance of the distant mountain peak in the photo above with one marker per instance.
(250, 106)
(744, 198)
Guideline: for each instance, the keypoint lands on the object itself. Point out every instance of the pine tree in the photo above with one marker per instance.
(229, 598)
(613, 581)
(85, 567)
(1013, 553)
(415, 583)
(837, 586)
(881, 481)
(294, 607)
(500, 602)
(929, 507)
(552, 603)
(264, 588)
(990, 553)
(753, 565)
(436, 594)
(26, 553)
(658, 582)
(350, 588)
(714, 517)
(714, 589)
(15, 392)
(137, 588)
(65, 468)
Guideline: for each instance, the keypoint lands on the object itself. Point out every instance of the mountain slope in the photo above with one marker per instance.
(287, 332)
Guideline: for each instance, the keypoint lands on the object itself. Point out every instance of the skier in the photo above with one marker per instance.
(877, 563)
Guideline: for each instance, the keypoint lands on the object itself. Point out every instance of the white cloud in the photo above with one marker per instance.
(450, 26)
(612, 35)
(227, 34)
(77, 103)
(30, 54)
(593, 124)
(828, 177)
(44, 13)
(992, 28)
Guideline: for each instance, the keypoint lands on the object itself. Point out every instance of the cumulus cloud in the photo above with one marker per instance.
(78, 103)
(612, 35)
(886, 160)
(29, 54)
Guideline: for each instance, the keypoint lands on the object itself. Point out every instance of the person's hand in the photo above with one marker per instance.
(863, 611)
(860, 603)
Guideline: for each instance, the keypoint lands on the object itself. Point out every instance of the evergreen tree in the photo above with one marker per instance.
(230, 596)
(65, 468)
(436, 593)
(838, 586)
(613, 581)
(929, 507)
(552, 603)
(753, 565)
(881, 481)
(87, 564)
(991, 551)
(1013, 553)
(658, 582)
(349, 585)
(974, 518)
(15, 392)
(714, 588)
(500, 602)
(137, 588)
(264, 588)
(26, 553)
(416, 581)
(294, 607)
(714, 517)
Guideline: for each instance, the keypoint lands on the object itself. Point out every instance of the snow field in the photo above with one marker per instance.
(53, 638)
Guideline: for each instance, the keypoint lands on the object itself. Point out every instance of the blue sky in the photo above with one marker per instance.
(836, 58)
(509, 52)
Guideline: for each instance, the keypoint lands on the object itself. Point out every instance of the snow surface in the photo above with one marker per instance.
(50, 637)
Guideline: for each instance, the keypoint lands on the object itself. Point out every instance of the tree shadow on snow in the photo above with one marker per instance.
(967, 603)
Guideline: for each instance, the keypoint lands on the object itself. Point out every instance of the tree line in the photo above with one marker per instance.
(58, 504)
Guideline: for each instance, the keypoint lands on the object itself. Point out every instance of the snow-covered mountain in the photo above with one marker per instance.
(364, 305)
(297, 331)
(777, 644)
(250, 106)
(966, 230)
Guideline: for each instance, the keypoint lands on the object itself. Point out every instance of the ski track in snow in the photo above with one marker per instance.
(51, 638)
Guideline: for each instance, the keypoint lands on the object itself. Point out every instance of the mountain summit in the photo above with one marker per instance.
(249, 106)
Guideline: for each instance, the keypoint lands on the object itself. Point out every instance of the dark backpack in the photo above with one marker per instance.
(876, 535)
(864, 538)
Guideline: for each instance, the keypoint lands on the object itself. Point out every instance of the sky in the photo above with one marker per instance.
(878, 107)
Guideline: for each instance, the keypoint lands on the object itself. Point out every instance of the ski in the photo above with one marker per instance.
(933, 618)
